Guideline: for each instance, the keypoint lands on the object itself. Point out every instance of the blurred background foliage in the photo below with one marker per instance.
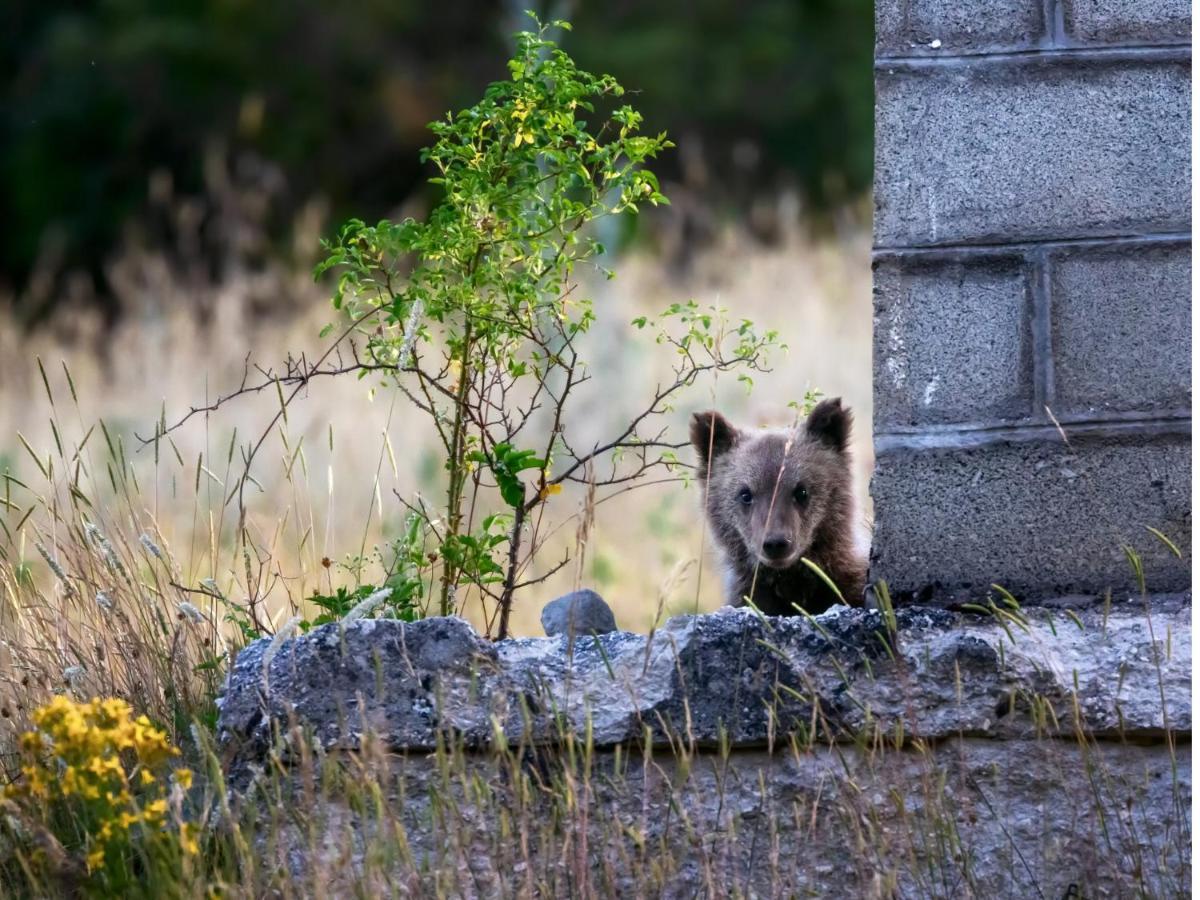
(171, 124)
(168, 168)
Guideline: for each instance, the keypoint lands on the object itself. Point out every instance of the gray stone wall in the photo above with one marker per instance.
(1032, 295)
(1041, 753)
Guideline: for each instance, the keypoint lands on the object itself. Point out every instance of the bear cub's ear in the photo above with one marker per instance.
(830, 424)
(711, 435)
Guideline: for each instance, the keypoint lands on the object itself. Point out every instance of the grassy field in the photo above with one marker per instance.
(326, 482)
(121, 577)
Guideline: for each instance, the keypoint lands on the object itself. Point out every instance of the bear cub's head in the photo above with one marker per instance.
(772, 493)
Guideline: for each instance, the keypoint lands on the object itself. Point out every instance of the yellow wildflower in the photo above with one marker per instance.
(115, 709)
(154, 811)
(105, 766)
(36, 784)
(90, 752)
(187, 839)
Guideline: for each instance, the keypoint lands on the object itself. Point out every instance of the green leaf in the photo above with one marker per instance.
(210, 664)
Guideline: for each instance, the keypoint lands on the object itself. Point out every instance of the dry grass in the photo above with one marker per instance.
(121, 575)
(325, 483)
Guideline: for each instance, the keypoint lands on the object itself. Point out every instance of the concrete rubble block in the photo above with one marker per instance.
(1038, 517)
(1011, 819)
(952, 340)
(996, 150)
(726, 677)
(1121, 329)
(945, 27)
(1138, 22)
(827, 757)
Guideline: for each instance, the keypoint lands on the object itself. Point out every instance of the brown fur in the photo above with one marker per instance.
(774, 498)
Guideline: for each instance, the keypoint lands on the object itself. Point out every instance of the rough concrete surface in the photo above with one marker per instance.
(1033, 201)
(999, 150)
(726, 676)
(942, 759)
(1129, 22)
(1039, 518)
(967, 819)
(952, 340)
(1121, 328)
(943, 27)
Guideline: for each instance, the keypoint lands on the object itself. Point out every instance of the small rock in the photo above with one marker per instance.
(579, 612)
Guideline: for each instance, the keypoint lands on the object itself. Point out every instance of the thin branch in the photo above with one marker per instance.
(298, 376)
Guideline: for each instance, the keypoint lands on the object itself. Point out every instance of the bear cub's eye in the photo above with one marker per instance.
(800, 494)
(745, 496)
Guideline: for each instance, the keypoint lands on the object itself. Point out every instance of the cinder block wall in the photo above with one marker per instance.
(1032, 270)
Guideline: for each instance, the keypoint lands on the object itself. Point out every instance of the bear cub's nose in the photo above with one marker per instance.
(776, 547)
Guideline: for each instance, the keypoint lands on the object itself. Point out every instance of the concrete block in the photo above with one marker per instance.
(1121, 329)
(988, 151)
(952, 340)
(946, 27)
(726, 676)
(1128, 22)
(1035, 818)
(1038, 517)
(723, 738)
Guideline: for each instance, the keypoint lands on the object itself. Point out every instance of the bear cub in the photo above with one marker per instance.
(775, 497)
